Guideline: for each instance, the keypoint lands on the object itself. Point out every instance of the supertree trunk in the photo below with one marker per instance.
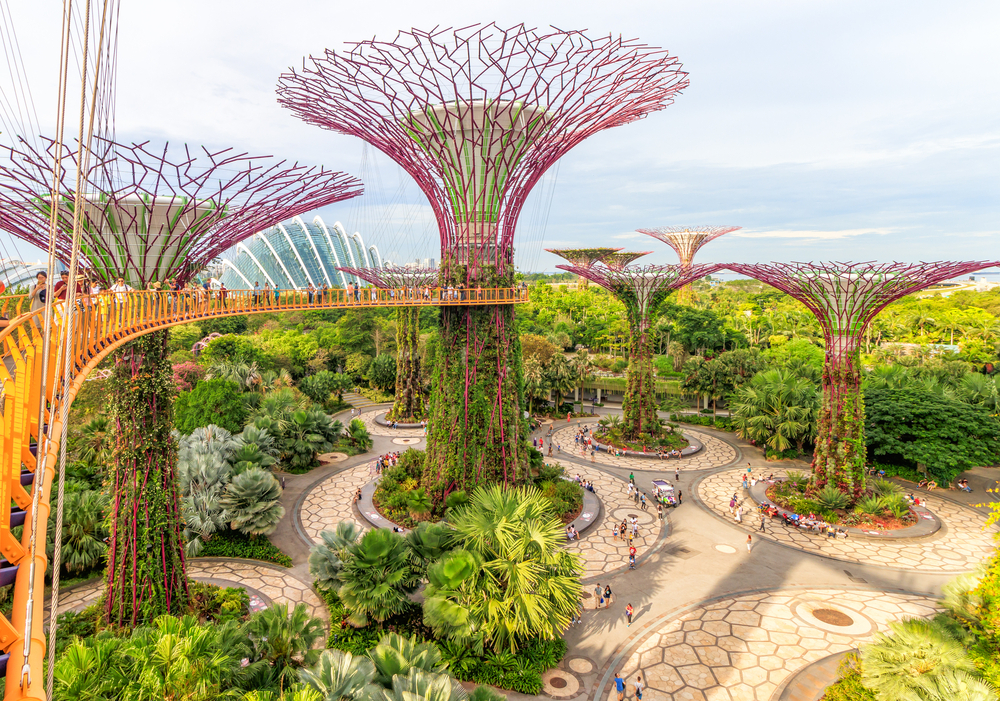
(145, 572)
(639, 402)
(409, 403)
(840, 443)
(477, 434)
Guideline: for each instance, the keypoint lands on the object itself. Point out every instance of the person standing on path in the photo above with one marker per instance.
(598, 599)
(628, 614)
(607, 596)
(749, 542)
(631, 478)
(620, 687)
(659, 511)
(638, 687)
(677, 474)
(680, 497)
(762, 520)
(642, 501)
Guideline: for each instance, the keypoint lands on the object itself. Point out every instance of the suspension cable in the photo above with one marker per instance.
(83, 167)
(42, 448)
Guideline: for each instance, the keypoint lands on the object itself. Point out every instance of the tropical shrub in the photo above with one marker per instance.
(285, 641)
(320, 386)
(831, 498)
(84, 530)
(382, 372)
(187, 375)
(251, 502)
(235, 544)
(376, 577)
(509, 580)
(776, 409)
(326, 558)
(211, 402)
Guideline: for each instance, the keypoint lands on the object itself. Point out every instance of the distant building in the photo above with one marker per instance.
(295, 254)
(16, 273)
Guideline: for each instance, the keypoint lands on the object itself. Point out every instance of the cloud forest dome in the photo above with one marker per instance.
(297, 253)
(151, 215)
(16, 273)
(477, 115)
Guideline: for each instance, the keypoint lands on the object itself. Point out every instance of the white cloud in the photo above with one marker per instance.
(808, 235)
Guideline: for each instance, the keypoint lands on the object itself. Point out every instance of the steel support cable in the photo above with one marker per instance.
(83, 162)
(42, 448)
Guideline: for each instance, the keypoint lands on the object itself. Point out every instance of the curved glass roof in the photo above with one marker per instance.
(295, 254)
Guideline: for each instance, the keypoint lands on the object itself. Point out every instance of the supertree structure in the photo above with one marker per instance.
(686, 242)
(411, 282)
(151, 217)
(641, 288)
(845, 297)
(619, 260)
(476, 116)
(583, 257)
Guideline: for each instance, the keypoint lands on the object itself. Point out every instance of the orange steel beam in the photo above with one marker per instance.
(103, 323)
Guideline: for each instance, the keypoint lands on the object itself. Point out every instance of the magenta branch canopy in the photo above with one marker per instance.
(153, 215)
(396, 278)
(687, 240)
(477, 115)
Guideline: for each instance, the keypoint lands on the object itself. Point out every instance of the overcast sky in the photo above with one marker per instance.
(828, 130)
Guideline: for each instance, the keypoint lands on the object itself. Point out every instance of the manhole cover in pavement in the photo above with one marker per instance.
(833, 618)
(633, 515)
(558, 682)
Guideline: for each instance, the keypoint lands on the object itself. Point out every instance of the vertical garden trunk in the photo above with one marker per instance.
(409, 403)
(476, 431)
(840, 442)
(145, 572)
(639, 402)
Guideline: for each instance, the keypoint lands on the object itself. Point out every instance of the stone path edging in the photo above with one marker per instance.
(936, 553)
(803, 686)
(628, 647)
(380, 420)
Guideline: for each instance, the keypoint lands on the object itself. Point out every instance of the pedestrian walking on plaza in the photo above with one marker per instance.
(680, 497)
(282, 483)
(607, 596)
(620, 687)
(631, 488)
(642, 499)
(749, 542)
(638, 687)
(628, 614)
(659, 511)
(677, 474)
(598, 599)
(762, 519)
(631, 478)
(631, 562)
(732, 505)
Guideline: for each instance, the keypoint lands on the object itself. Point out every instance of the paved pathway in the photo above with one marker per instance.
(741, 648)
(958, 547)
(714, 453)
(602, 553)
(376, 429)
(332, 501)
(272, 581)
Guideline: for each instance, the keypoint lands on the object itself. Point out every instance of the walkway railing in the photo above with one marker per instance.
(101, 324)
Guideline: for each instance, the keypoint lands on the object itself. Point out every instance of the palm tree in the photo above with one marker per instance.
(981, 390)
(340, 676)
(91, 669)
(583, 368)
(251, 502)
(395, 654)
(84, 531)
(534, 382)
(376, 577)
(419, 504)
(285, 641)
(560, 377)
(246, 375)
(510, 580)
(326, 558)
(357, 433)
(427, 543)
(919, 660)
(776, 409)
(419, 685)
(298, 693)
(95, 442)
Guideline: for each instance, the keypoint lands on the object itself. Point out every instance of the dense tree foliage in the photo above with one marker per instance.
(211, 402)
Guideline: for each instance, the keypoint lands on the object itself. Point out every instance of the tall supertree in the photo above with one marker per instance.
(583, 257)
(409, 401)
(619, 260)
(687, 241)
(151, 217)
(476, 116)
(845, 297)
(641, 289)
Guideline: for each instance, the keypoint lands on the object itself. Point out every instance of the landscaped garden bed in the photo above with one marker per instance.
(610, 433)
(400, 498)
(883, 507)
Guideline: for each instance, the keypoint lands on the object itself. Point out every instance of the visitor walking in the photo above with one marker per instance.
(762, 520)
(659, 511)
(631, 478)
(620, 687)
(680, 497)
(638, 687)
(628, 614)
(607, 596)
(677, 474)
(749, 542)
(642, 501)
(598, 598)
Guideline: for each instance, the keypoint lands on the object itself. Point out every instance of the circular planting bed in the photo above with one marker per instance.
(691, 447)
(381, 421)
(888, 515)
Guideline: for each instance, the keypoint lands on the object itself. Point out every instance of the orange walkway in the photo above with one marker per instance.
(102, 323)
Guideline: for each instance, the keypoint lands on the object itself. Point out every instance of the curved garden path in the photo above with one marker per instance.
(376, 429)
(601, 552)
(332, 500)
(274, 582)
(740, 648)
(958, 547)
(714, 452)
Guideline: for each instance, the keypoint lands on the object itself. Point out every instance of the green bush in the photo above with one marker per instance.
(831, 498)
(223, 325)
(235, 544)
(849, 686)
(382, 372)
(869, 505)
(210, 402)
(235, 349)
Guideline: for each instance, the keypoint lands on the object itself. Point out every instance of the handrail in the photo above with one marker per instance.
(13, 305)
(102, 323)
